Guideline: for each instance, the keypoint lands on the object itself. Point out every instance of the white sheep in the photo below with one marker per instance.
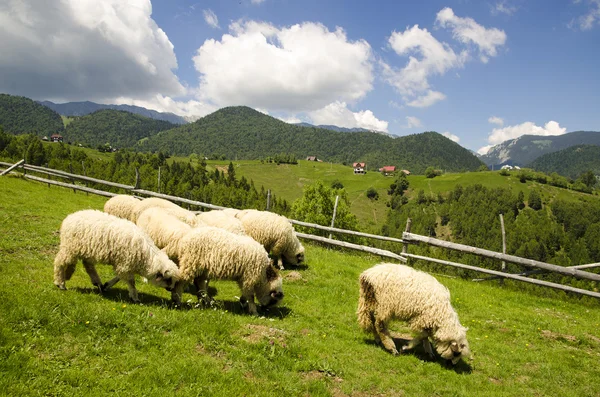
(122, 205)
(151, 202)
(96, 237)
(165, 229)
(389, 291)
(275, 233)
(222, 220)
(210, 252)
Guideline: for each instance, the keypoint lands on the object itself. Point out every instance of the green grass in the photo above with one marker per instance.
(67, 120)
(79, 343)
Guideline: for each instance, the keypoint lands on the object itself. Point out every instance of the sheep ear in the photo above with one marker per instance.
(454, 344)
(271, 273)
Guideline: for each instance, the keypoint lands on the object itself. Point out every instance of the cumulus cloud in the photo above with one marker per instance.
(502, 7)
(337, 113)
(467, 31)
(191, 109)
(450, 136)
(590, 18)
(84, 49)
(496, 120)
(499, 135)
(429, 57)
(412, 121)
(257, 1)
(303, 67)
(290, 119)
(211, 18)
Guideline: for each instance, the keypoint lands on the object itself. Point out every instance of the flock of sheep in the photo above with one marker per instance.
(173, 247)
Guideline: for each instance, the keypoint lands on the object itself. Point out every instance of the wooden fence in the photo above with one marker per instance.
(407, 237)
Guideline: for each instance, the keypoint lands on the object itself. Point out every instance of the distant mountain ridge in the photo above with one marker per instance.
(244, 133)
(339, 129)
(87, 107)
(526, 148)
(21, 115)
(570, 162)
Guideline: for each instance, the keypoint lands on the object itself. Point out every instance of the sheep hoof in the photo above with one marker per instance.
(100, 286)
(61, 286)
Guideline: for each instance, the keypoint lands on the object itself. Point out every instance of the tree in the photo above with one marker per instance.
(535, 201)
(430, 172)
(337, 184)
(372, 193)
(482, 168)
(588, 179)
(521, 200)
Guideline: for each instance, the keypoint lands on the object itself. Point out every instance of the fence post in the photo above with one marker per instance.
(72, 180)
(269, 200)
(159, 179)
(137, 178)
(337, 199)
(503, 266)
(407, 230)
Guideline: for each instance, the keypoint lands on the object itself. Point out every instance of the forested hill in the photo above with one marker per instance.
(117, 128)
(570, 162)
(243, 133)
(87, 107)
(20, 115)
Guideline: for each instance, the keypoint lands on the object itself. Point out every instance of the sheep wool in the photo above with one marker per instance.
(122, 206)
(165, 229)
(210, 252)
(221, 220)
(96, 237)
(389, 291)
(175, 210)
(275, 233)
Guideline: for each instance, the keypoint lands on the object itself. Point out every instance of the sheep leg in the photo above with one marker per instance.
(133, 294)
(91, 271)
(427, 347)
(384, 337)
(422, 337)
(201, 284)
(177, 293)
(64, 266)
(110, 283)
(248, 298)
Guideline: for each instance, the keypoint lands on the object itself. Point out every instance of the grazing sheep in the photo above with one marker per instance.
(222, 220)
(389, 291)
(94, 236)
(122, 206)
(181, 213)
(165, 229)
(275, 233)
(210, 252)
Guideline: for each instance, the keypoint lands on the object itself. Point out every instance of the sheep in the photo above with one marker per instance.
(275, 233)
(222, 220)
(211, 252)
(389, 291)
(181, 213)
(122, 206)
(94, 236)
(165, 229)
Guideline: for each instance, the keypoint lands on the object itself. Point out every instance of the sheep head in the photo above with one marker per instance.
(270, 292)
(454, 349)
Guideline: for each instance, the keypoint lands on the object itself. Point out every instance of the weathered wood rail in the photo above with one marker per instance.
(407, 237)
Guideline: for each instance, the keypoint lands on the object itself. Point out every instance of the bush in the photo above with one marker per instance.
(372, 193)
(337, 184)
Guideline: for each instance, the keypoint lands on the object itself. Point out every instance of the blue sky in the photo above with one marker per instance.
(479, 71)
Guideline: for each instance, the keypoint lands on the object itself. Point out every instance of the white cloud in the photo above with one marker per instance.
(412, 121)
(290, 119)
(467, 31)
(337, 113)
(496, 120)
(450, 136)
(257, 1)
(211, 18)
(303, 67)
(484, 149)
(499, 135)
(190, 109)
(84, 50)
(590, 18)
(502, 7)
(427, 100)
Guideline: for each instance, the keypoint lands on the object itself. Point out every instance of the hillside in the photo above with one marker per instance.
(570, 162)
(244, 133)
(339, 129)
(87, 107)
(20, 115)
(116, 127)
(78, 342)
(525, 149)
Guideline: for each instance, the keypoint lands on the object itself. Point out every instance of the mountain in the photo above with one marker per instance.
(243, 133)
(84, 108)
(525, 149)
(20, 115)
(570, 162)
(339, 129)
(116, 127)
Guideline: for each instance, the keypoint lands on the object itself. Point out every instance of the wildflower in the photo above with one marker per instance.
(87, 322)
(124, 306)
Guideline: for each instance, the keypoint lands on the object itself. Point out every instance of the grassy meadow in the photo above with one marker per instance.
(80, 343)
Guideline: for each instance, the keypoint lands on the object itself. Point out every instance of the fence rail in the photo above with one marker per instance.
(407, 237)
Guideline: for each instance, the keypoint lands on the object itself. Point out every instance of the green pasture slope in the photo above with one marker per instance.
(79, 343)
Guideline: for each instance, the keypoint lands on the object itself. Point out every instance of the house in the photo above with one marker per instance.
(388, 169)
(406, 172)
(312, 158)
(56, 138)
(360, 168)
(507, 167)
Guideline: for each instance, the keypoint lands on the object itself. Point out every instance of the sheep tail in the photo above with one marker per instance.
(366, 305)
